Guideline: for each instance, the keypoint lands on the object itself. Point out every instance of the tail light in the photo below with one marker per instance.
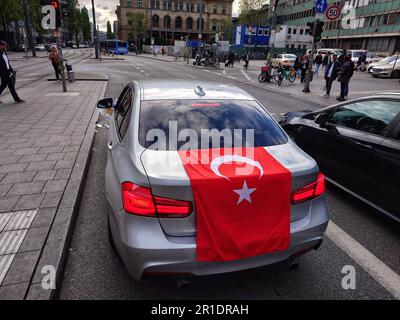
(139, 201)
(309, 192)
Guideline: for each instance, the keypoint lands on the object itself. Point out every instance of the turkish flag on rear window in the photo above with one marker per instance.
(242, 201)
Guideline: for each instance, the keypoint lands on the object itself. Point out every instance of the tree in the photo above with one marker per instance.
(227, 29)
(85, 25)
(248, 5)
(137, 23)
(110, 34)
(10, 11)
(74, 19)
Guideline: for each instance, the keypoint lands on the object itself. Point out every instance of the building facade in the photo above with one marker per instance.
(366, 24)
(176, 20)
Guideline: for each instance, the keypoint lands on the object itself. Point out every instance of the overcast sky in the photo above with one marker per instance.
(105, 10)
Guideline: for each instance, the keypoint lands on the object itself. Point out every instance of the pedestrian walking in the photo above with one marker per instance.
(305, 63)
(246, 60)
(317, 62)
(231, 59)
(345, 74)
(326, 60)
(331, 73)
(54, 57)
(7, 73)
(361, 62)
(297, 65)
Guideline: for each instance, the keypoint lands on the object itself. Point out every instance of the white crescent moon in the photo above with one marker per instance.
(217, 162)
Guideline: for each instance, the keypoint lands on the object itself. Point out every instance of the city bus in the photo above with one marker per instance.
(114, 47)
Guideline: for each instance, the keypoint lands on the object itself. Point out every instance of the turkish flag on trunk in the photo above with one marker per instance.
(242, 200)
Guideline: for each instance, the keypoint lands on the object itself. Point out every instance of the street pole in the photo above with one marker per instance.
(200, 36)
(28, 27)
(310, 61)
(62, 68)
(95, 34)
(339, 29)
(151, 27)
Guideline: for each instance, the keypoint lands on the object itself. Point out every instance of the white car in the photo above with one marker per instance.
(284, 59)
(40, 47)
(381, 62)
(388, 70)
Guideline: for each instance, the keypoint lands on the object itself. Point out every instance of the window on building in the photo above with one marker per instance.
(289, 30)
(294, 31)
(139, 3)
(178, 23)
(189, 23)
(301, 31)
(129, 3)
(167, 22)
(156, 21)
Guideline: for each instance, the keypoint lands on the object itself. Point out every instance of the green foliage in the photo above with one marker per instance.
(85, 24)
(110, 34)
(137, 22)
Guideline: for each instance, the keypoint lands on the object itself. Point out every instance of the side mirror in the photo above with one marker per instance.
(321, 120)
(107, 103)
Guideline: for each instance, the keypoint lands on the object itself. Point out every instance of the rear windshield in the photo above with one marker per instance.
(290, 56)
(206, 124)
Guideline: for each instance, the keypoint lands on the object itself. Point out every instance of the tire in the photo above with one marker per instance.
(280, 80)
(396, 74)
(262, 77)
(292, 79)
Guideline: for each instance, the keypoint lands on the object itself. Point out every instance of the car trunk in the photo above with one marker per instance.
(168, 178)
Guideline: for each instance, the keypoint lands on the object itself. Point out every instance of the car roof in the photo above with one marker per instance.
(185, 89)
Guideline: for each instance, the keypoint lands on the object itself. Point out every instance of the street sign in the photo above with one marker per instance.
(321, 5)
(333, 12)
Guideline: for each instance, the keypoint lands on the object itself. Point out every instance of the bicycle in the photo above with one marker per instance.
(284, 74)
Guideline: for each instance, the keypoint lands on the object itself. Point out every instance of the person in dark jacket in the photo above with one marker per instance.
(297, 65)
(317, 62)
(6, 73)
(326, 60)
(304, 67)
(331, 73)
(231, 59)
(345, 74)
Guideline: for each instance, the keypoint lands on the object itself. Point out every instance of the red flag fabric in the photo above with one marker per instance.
(242, 201)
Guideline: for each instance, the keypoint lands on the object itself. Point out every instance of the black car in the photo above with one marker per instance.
(357, 146)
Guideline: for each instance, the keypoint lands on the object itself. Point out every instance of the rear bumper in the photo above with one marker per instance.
(145, 248)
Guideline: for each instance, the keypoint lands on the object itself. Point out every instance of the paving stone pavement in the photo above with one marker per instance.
(42, 145)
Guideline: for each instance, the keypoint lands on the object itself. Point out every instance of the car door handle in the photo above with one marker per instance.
(110, 145)
(364, 146)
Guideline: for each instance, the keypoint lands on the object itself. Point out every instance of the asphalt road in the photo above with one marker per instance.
(94, 271)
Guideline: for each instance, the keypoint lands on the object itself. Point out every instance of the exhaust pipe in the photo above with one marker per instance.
(184, 284)
(293, 264)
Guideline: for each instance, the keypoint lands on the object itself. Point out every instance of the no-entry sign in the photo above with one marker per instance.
(333, 12)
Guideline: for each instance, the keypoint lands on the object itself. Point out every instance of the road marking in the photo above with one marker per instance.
(142, 71)
(224, 72)
(147, 75)
(192, 76)
(246, 76)
(377, 269)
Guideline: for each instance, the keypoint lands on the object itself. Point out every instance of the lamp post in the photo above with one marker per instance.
(95, 34)
(28, 27)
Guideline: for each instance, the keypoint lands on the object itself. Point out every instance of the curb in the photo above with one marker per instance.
(152, 58)
(56, 248)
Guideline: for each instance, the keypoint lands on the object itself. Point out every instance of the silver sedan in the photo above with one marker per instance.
(152, 211)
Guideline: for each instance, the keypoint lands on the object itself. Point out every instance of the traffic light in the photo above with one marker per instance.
(318, 31)
(55, 4)
(310, 25)
(319, 28)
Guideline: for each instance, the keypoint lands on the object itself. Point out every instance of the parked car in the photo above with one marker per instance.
(285, 59)
(20, 48)
(356, 54)
(357, 146)
(387, 70)
(381, 61)
(152, 209)
(324, 51)
(40, 47)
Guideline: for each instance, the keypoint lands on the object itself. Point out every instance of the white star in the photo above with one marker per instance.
(244, 193)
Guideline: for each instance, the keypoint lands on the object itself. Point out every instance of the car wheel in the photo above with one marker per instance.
(375, 76)
(396, 74)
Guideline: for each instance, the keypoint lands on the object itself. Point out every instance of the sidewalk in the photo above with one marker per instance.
(44, 150)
